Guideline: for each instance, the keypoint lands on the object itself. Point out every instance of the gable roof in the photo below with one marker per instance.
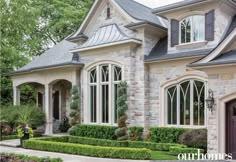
(141, 12)
(134, 10)
(58, 55)
(105, 35)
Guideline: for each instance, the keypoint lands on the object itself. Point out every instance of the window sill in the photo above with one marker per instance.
(191, 45)
(187, 126)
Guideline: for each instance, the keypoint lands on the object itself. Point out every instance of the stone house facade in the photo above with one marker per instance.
(170, 57)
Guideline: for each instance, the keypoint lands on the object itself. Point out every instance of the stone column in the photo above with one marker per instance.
(16, 92)
(48, 110)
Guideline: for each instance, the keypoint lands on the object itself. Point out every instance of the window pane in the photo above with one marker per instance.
(172, 105)
(186, 30)
(105, 103)
(115, 102)
(93, 104)
(93, 76)
(198, 27)
(117, 73)
(105, 73)
(198, 103)
(185, 103)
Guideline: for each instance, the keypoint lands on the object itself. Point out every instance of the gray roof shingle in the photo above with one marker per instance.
(56, 56)
(141, 12)
(160, 53)
(225, 58)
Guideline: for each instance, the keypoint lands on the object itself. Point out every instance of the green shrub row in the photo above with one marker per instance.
(93, 131)
(97, 142)
(88, 150)
(10, 156)
(113, 143)
(175, 150)
(153, 146)
(166, 135)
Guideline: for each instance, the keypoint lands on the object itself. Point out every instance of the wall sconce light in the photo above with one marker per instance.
(210, 100)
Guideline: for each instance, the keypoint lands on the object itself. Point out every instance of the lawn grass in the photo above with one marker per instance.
(162, 155)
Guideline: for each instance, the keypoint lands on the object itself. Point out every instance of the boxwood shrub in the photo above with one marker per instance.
(153, 146)
(135, 133)
(175, 150)
(88, 150)
(21, 157)
(93, 131)
(97, 142)
(166, 135)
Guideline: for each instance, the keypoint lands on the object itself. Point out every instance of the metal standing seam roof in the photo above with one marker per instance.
(141, 12)
(58, 55)
(105, 35)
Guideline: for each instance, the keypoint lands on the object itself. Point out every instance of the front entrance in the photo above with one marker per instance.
(56, 104)
(231, 128)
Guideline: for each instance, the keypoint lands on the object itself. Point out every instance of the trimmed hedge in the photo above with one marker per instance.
(113, 143)
(87, 150)
(153, 146)
(166, 135)
(97, 142)
(20, 157)
(175, 150)
(93, 131)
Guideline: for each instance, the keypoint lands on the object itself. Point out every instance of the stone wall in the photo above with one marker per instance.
(223, 82)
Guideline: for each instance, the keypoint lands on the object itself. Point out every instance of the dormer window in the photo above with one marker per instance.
(192, 29)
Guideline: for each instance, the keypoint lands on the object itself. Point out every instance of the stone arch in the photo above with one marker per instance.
(221, 122)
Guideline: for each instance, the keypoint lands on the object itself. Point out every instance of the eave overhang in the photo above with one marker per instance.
(63, 65)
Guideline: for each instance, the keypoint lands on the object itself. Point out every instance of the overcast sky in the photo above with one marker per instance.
(156, 3)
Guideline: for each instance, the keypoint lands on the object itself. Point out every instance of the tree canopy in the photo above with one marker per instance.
(29, 27)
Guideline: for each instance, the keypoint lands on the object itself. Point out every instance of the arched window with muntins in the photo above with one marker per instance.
(185, 103)
(103, 89)
(192, 29)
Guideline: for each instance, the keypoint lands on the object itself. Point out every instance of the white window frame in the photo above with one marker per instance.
(191, 104)
(191, 33)
(99, 84)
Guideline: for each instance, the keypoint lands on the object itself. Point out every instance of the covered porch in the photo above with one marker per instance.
(52, 92)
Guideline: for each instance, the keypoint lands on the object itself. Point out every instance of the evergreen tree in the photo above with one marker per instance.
(74, 106)
(121, 132)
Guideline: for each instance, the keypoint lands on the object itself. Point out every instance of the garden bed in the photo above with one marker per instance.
(108, 148)
(6, 157)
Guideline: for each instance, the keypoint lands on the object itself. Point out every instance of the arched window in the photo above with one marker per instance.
(192, 29)
(185, 103)
(103, 89)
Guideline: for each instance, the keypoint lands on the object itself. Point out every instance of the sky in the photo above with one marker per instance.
(156, 3)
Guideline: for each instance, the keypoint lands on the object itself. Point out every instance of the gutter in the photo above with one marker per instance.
(202, 65)
(178, 5)
(43, 68)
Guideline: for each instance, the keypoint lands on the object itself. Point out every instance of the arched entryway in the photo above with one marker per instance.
(60, 101)
(231, 127)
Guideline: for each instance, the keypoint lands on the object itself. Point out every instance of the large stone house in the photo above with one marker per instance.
(173, 58)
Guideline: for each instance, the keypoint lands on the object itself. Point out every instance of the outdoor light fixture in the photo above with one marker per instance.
(210, 100)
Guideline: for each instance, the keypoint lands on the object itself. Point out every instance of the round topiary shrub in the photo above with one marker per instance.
(196, 138)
